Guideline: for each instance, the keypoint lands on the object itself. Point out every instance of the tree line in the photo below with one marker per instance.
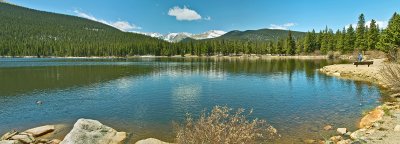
(359, 38)
(26, 32)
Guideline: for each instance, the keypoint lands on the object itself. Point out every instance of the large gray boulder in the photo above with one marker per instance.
(86, 131)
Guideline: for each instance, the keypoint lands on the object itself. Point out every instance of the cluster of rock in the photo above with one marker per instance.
(29, 136)
(85, 131)
(382, 125)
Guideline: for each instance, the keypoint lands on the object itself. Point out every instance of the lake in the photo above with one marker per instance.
(143, 96)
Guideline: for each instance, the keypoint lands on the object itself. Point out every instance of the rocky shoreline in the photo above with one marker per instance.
(379, 126)
(85, 131)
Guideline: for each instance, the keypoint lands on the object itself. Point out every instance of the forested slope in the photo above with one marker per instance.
(28, 32)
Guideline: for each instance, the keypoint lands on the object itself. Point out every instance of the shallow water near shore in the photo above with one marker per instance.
(143, 96)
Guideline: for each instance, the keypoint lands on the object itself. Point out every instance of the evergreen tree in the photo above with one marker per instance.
(340, 36)
(290, 44)
(299, 45)
(373, 34)
(361, 43)
(308, 43)
(390, 38)
(350, 39)
(324, 39)
(279, 46)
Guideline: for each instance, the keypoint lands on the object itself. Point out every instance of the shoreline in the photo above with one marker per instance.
(380, 125)
(251, 56)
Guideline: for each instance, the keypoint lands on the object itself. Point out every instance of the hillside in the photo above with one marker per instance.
(260, 35)
(31, 32)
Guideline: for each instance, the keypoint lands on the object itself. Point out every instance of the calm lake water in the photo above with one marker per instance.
(144, 96)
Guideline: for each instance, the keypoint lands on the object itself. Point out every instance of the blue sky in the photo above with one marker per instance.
(196, 16)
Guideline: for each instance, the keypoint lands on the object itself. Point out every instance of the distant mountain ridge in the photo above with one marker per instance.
(177, 37)
(260, 35)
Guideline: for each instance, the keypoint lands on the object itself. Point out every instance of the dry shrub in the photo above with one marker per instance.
(391, 75)
(330, 55)
(393, 54)
(223, 126)
(375, 54)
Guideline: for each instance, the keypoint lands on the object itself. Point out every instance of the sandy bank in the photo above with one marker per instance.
(360, 73)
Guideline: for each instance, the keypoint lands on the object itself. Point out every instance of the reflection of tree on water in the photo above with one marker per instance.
(28, 79)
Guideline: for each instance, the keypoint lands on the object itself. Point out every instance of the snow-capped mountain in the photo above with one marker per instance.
(209, 34)
(176, 37)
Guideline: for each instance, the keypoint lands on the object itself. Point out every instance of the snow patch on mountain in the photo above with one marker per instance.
(176, 37)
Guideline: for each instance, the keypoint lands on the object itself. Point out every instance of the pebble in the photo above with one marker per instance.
(328, 127)
(342, 130)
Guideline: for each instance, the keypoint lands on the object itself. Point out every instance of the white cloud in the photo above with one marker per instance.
(184, 13)
(382, 24)
(121, 25)
(285, 26)
(208, 18)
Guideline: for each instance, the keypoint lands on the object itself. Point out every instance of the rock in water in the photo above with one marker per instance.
(341, 130)
(86, 131)
(39, 131)
(371, 117)
(9, 142)
(328, 127)
(151, 141)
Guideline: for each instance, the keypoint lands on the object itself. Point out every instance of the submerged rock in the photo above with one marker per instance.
(309, 141)
(335, 139)
(328, 127)
(342, 130)
(344, 142)
(371, 117)
(151, 141)
(9, 142)
(39, 131)
(86, 131)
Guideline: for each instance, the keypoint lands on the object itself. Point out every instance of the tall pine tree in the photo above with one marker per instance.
(373, 34)
(390, 38)
(350, 39)
(361, 43)
(290, 44)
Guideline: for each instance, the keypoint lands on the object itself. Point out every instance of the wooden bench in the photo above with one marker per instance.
(363, 63)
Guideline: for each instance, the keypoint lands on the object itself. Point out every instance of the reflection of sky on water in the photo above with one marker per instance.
(187, 94)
